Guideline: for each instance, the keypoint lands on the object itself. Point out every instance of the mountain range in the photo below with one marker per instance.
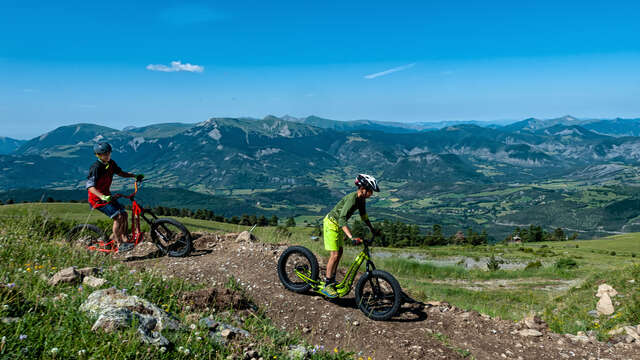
(303, 165)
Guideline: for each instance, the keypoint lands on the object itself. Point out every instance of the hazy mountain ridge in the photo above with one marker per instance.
(241, 152)
(9, 145)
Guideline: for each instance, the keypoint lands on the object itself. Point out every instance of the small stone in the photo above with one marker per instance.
(209, 323)
(93, 281)
(9, 320)
(355, 323)
(67, 275)
(306, 330)
(530, 332)
(87, 271)
(298, 352)
(226, 333)
(192, 318)
(631, 331)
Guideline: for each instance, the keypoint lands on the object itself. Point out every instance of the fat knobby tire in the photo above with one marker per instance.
(183, 251)
(96, 234)
(397, 294)
(282, 266)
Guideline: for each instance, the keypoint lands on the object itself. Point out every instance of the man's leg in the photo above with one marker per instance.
(332, 264)
(117, 228)
(124, 227)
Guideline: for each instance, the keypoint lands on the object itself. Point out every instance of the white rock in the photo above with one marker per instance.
(529, 332)
(606, 289)
(93, 281)
(605, 307)
(631, 331)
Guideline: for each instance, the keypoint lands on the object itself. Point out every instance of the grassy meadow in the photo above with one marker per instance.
(556, 279)
(50, 326)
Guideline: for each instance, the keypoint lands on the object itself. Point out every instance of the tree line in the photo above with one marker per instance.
(399, 234)
(535, 233)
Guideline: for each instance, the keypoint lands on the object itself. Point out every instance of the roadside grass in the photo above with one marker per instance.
(50, 325)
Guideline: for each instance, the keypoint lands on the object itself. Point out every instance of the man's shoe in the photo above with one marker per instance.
(329, 291)
(124, 247)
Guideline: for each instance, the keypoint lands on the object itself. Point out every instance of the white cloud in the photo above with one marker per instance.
(390, 71)
(175, 66)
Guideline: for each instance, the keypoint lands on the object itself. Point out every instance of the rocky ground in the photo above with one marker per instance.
(435, 330)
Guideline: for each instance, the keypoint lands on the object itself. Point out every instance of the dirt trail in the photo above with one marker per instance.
(429, 332)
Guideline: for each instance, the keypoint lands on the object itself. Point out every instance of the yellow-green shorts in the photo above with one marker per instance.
(332, 235)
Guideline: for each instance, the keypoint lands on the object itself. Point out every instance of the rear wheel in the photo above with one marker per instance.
(378, 295)
(297, 260)
(171, 237)
(86, 235)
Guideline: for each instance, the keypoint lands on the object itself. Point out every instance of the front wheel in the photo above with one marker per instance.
(86, 235)
(378, 295)
(295, 264)
(171, 237)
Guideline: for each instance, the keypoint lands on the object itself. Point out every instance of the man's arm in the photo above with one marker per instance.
(100, 195)
(125, 174)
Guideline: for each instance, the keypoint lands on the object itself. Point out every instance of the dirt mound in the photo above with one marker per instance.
(216, 298)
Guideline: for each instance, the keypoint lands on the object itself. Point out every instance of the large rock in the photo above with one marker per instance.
(606, 289)
(118, 307)
(68, 275)
(605, 307)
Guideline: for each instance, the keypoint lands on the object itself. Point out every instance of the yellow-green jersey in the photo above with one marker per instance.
(346, 207)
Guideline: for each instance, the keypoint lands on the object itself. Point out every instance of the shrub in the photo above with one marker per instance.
(533, 265)
(494, 264)
(566, 263)
(613, 253)
(633, 254)
(283, 231)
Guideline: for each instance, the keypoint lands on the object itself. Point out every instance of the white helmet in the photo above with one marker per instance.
(368, 182)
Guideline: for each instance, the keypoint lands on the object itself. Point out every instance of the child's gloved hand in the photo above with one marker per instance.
(139, 177)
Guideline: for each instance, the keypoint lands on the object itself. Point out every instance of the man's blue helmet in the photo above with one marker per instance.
(102, 148)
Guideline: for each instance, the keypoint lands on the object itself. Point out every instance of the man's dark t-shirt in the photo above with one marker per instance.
(100, 177)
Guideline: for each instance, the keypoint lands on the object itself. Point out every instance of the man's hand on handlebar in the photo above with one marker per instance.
(356, 241)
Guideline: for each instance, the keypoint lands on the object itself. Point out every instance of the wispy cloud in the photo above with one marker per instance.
(390, 71)
(175, 66)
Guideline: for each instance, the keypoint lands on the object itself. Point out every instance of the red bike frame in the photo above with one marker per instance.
(136, 234)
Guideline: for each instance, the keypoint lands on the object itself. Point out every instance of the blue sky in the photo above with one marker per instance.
(77, 61)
